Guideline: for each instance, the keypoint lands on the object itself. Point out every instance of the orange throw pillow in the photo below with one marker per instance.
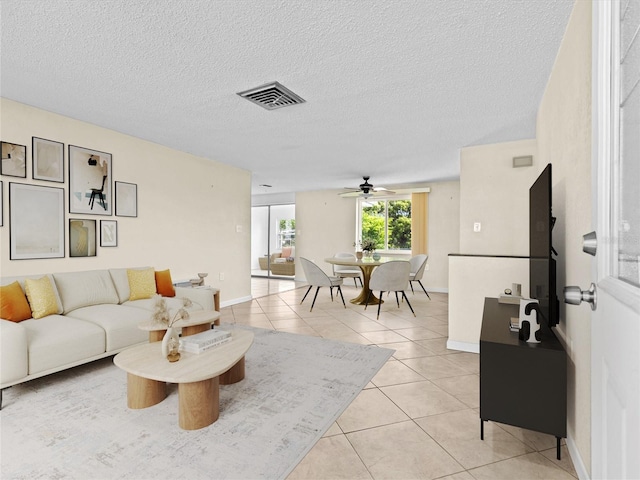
(13, 303)
(164, 285)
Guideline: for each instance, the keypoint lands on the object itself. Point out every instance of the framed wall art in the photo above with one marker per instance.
(36, 221)
(108, 233)
(126, 199)
(47, 160)
(14, 160)
(82, 237)
(89, 181)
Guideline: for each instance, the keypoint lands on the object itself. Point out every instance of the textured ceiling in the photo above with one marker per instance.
(393, 88)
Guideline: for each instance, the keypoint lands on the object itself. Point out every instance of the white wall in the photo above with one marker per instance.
(495, 194)
(325, 224)
(564, 139)
(472, 279)
(444, 234)
(188, 207)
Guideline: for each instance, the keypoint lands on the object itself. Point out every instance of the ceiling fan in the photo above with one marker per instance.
(365, 190)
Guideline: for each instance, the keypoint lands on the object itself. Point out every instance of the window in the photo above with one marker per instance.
(626, 174)
(387, 221)
(286, 233)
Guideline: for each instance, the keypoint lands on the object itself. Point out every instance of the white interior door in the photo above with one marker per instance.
(615, 361)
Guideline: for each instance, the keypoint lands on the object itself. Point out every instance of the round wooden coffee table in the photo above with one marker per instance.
(198, 376)
(198, 321)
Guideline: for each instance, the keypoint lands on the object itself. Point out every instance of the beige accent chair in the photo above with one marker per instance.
(316, 277)
(418, 264)
(344, 271)
(390, 277)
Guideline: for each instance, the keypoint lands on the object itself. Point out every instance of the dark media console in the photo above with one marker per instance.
(521, 384)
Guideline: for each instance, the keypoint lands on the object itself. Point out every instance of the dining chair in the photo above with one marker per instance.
(316, 277)
(418, 264)
(390, 277)
(345, 271)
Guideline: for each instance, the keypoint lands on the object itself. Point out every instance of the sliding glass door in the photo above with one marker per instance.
(273, 240)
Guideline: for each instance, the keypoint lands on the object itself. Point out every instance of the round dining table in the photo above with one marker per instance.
(366, 264)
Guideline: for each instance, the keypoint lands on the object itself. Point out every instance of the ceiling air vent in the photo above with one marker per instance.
(272, 96)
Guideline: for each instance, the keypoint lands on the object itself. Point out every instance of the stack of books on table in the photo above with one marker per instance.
(203, 341)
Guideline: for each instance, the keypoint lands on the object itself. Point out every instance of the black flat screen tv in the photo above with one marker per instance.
(542, 265)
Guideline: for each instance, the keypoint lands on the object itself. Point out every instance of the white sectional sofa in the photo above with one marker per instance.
(95, 319)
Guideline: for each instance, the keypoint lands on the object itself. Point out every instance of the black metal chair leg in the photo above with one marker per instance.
(405, 297)
(425, 290)
(341, 296)
(366, 302)
(314, 299)
(379, 303)
(305, 295)
(397, 301)
(411, 285)
(331, 291)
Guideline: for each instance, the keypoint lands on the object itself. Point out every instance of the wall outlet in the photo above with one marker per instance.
(238, 228)
(477, 227)
(221, 276)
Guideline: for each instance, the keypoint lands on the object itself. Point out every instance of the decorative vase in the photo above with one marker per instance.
(367, 254)
(376, 256)
(359, 255)
(170, 345)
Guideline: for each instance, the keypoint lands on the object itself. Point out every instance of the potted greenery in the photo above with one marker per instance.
(368, 246)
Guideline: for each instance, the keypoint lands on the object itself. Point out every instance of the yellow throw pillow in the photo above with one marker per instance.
(164, 285)
(13, 303)
(41, 296)
(142, 283)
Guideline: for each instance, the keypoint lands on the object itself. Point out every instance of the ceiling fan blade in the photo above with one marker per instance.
(353, 193)
(380, 192)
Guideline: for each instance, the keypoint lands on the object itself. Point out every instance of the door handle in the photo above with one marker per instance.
(575, 296)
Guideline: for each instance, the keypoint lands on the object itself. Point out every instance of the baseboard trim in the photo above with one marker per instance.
(235, 301)
(463, 346)
(436, 289)
(578, 464)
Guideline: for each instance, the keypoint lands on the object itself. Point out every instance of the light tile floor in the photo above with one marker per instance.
(418, 417)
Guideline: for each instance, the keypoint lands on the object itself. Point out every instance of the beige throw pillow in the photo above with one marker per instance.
(142, 283)
(41, 296)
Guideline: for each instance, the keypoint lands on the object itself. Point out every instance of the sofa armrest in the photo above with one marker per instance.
(207, 297)
(14, 352)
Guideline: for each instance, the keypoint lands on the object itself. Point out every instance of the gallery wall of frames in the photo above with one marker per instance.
(77, 210)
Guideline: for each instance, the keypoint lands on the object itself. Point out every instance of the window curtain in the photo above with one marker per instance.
(419, 223)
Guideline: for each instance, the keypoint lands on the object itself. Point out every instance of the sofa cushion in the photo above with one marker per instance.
(121, 282)
(82, 289)
(164, 285)
(42, 297)
(60, 340)
(14, 360)
(13, 303)
(142, 283)
(119, 322)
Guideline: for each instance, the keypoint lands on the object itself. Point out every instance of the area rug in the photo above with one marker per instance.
(75, 424)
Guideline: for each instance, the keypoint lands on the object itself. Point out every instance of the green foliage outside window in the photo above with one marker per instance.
(287, 233)
(388, 222)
